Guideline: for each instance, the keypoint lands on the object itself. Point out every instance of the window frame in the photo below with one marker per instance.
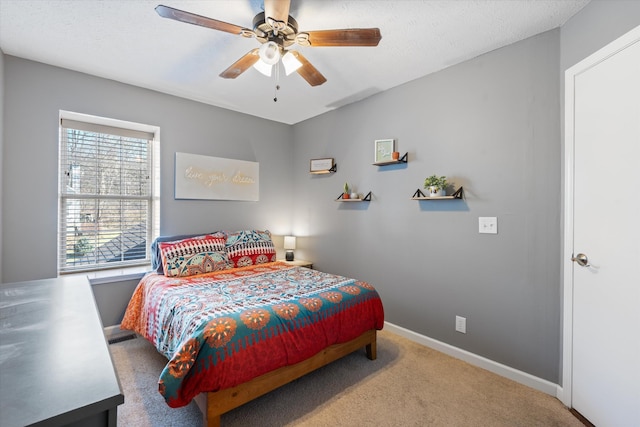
(68, 119)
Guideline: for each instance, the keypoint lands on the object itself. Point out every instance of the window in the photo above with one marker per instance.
(108, 192)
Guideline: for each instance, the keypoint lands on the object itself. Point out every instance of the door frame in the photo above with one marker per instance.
(565, 392)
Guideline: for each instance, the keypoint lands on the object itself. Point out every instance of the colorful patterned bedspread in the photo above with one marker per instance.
(222, 329)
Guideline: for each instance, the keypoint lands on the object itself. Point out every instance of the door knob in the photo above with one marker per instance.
(581, 259)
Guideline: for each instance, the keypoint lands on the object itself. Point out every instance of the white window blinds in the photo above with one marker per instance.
(106, 196)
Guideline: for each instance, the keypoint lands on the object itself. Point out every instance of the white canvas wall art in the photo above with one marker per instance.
(215, 178)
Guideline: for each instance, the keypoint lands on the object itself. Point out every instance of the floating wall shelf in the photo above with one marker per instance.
(366, 198)
(402, 159)
(419, 195)
(333, 169)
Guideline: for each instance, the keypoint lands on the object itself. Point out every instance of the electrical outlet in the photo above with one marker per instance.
(488, 224)
(461, 324)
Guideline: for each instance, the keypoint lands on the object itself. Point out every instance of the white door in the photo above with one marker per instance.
(605, 363)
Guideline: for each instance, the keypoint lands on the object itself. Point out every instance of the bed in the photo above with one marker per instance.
(234, 323)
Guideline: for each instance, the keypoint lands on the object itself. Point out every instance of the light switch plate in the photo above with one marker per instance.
(488, 224)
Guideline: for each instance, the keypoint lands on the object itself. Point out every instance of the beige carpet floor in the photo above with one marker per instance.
(408, 385)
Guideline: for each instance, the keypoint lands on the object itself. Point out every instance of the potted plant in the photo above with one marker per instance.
(345, 193)
(436, 185)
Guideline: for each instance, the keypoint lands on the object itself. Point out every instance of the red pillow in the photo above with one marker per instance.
(250, 247)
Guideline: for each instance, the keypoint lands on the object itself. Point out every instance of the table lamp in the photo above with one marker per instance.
(289, 245)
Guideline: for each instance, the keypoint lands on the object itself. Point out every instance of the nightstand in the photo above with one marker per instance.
(299, 263)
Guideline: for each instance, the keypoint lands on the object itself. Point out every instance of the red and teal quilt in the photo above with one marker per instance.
(221, 329)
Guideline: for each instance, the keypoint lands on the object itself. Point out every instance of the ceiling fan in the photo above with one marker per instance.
(277, 31)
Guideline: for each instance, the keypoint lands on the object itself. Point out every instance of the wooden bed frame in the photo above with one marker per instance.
(214, 404)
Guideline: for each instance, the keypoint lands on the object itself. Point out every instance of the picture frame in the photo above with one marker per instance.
(383, 149)
(323, 165)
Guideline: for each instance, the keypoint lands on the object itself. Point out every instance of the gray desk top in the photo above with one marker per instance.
(55, 365)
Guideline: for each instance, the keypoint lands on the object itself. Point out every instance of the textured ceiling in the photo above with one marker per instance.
(126, 41)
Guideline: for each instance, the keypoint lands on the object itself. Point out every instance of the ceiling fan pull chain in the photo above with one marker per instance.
(277, 75)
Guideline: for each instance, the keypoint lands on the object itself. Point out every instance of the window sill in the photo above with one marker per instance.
(115, 275)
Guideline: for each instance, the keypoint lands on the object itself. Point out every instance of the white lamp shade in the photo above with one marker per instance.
(289, 242)
(291, 63)
(263, 67)
(270, 53)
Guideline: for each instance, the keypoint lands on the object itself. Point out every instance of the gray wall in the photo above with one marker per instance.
(112, 300)
(34, 94)
(490, 124)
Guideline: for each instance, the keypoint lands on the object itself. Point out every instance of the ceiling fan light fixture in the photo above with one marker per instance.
(291, 63)
(263, 67)
(276, 30)
(270, 52)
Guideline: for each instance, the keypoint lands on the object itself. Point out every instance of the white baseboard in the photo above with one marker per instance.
(479, 361)
(114, 332)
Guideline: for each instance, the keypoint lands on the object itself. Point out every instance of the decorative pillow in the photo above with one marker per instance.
(192, 256)
(156, 258)
(250, 247)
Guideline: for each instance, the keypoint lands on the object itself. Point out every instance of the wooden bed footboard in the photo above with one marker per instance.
(214, 404)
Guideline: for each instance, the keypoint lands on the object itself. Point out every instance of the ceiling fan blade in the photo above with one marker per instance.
(241, 65)
(192, 18)
(347, 37)
(278, 10)
(308, 71)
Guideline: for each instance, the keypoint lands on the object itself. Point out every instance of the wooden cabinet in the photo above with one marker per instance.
(299, 263)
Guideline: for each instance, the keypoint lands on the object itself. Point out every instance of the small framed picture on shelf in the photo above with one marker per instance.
(384, 149)
(321, 165)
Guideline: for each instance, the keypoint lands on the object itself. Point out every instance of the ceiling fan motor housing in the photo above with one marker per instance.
(284, 36)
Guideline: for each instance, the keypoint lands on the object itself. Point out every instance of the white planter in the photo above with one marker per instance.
(435, 192)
